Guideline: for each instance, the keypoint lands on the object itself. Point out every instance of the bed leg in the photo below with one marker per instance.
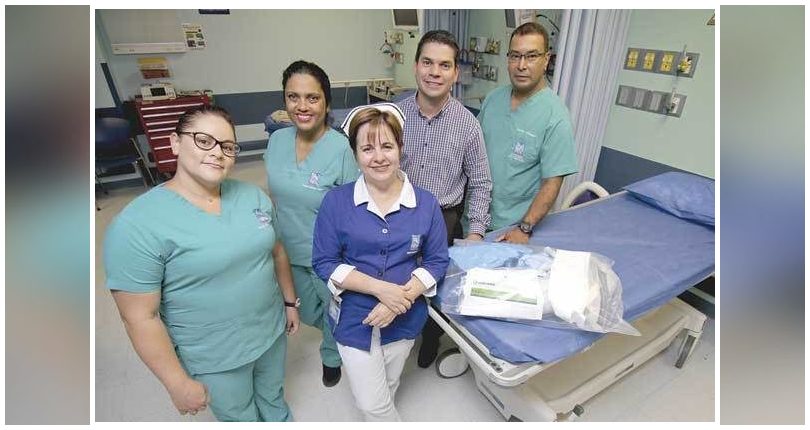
(687, 347)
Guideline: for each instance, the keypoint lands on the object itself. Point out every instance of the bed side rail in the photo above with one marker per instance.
(580, 189)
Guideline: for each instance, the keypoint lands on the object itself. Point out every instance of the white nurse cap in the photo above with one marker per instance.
(385, 107)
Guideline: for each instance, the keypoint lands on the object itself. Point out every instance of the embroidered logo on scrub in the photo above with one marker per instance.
(314, 181)
(415, 240)
(263, 218)
(519, 147)
(518, 150)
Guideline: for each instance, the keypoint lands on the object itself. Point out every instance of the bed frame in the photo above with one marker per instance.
(556, 391)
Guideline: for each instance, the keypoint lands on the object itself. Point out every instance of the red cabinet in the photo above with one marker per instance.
(158, 120)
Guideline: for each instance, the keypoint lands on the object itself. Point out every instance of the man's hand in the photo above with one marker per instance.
(474, 236)
(514, 236)
(380, 316)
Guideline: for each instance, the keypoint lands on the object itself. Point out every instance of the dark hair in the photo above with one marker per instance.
(312, 69)
(377, 118)
(531, 28)
(194, 113)
(438, 36)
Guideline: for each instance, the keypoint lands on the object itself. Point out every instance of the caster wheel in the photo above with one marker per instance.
(451, 364)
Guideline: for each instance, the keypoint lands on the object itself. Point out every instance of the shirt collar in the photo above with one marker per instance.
(407, 196)
(438, 114)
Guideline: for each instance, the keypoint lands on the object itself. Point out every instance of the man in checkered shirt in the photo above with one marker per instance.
(444, 151)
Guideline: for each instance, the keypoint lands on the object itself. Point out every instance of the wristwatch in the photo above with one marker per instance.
(296, 304)
(526, 227)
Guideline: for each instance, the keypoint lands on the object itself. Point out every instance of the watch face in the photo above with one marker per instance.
(525, 227)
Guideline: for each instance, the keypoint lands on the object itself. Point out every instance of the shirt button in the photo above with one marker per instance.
(379, 273)
(385, 231)
(382, 252)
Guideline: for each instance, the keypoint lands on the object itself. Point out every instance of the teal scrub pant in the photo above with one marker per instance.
(315, 298)
(253, 392)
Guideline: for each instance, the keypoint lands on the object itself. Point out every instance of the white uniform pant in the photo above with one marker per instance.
(374, 375)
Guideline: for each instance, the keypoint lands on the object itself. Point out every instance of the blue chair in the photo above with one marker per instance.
(115, 147)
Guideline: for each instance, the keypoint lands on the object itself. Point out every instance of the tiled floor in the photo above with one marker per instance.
(127, 391)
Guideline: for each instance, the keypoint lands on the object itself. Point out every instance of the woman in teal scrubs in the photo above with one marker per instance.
(303, 163)
(201, 282)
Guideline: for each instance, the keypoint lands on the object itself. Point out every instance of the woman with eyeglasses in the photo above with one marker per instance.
(303, 162)
(202, 285)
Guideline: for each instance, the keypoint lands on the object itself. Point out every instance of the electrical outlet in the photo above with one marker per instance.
(623, 98)
(632, 58)
(687, 64)
(655, 104)
(675, 105)
(649, 60)
(666, 62)
(638, 98)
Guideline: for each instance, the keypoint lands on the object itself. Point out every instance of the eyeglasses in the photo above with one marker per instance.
(206, 142)
(531, 57)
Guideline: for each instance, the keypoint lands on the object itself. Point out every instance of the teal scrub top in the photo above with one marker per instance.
(220, 300)
(298, 188)
(524, 146)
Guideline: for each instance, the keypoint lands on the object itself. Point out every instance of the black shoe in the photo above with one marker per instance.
(331, 376)
(427, 353)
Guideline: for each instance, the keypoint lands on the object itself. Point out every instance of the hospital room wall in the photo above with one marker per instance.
(403, 73)
(248, 50)
(638, 143)
(491, 23)
(103, 96)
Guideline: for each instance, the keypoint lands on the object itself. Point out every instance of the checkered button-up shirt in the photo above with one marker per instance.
(446, 153)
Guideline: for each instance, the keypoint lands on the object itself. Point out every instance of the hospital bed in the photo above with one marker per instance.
(532, 373)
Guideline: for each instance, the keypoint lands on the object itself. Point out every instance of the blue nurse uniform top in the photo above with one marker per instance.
(220, 300)
(393, 247)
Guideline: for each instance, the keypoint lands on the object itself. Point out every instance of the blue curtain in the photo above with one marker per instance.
(455, 21)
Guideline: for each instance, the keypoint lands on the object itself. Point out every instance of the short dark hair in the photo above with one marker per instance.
(194, 113)
(377, 119)
(312, 69)
(531, 28)
(438, 36)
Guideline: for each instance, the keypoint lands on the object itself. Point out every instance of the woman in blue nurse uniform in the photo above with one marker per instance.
(201, 282)
(303, 163)
(381, 245)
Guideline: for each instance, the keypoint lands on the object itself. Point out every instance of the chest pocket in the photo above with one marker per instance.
(524, 149)
(525, 146)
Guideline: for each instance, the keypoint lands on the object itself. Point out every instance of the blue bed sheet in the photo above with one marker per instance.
(657, 256)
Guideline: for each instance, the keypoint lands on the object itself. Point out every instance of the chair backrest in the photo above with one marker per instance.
(113, 138)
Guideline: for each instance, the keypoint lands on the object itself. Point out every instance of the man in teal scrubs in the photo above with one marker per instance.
(529, 138)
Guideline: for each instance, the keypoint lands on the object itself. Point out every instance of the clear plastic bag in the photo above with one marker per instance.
(533, 285)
